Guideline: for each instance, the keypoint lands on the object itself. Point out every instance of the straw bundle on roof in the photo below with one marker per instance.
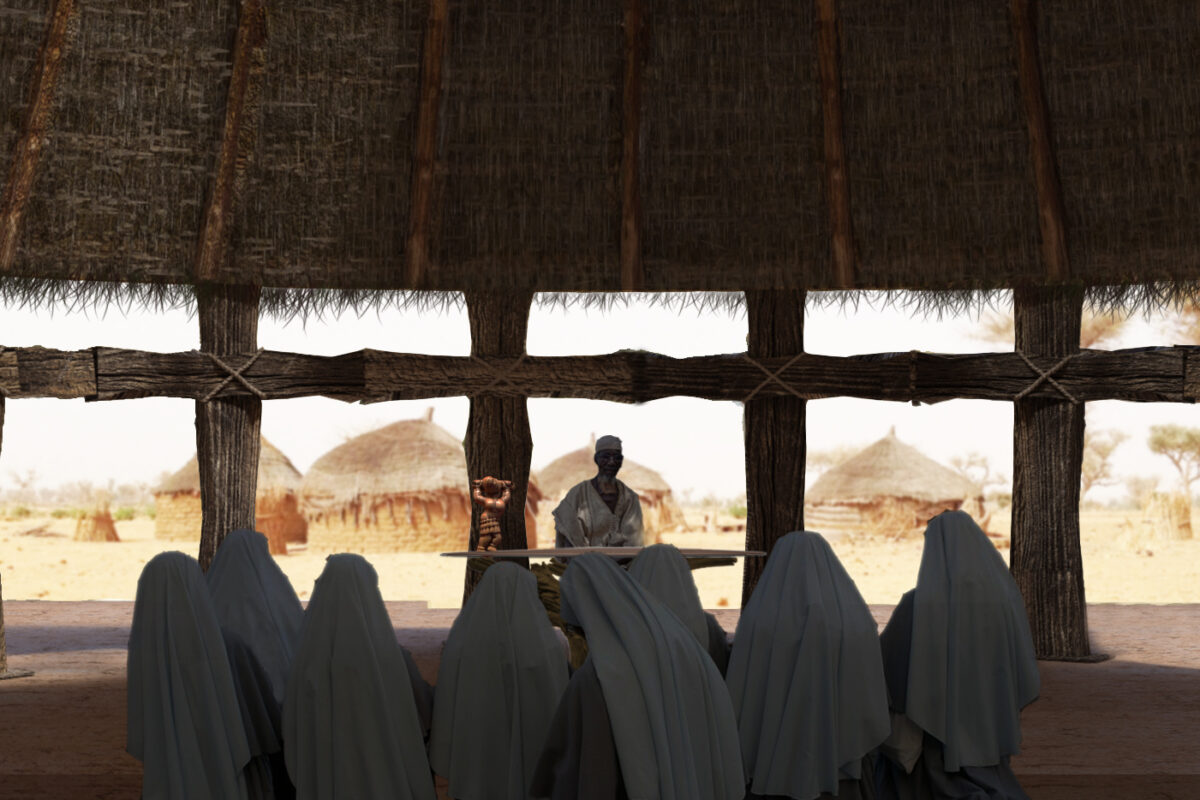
(660, 511)
(889, 487)
(401, 488)
(277, 514)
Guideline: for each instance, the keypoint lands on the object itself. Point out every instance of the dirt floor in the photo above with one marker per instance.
(1124, 728)
(1124, 559)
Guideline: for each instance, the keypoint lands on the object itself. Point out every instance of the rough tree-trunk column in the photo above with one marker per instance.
(227, 429)
(774, 433)
(498, 442)
(1047, 460)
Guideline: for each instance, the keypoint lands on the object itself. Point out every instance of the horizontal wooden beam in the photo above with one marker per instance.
(1164, 374)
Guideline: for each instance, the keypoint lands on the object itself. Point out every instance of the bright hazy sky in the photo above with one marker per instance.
(695, 444)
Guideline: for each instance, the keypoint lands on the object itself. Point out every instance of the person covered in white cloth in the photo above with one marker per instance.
(806, 679)
(960, 665)
(601, 511)
(184, 722)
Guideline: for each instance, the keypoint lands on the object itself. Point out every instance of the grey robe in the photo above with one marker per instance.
(806, 677)
(184, 723)
(350, 723)
(260, 617)
(664, 573)
(583, 519)
(254, 600)
(671, 719)
(502, 674)
(960, 665)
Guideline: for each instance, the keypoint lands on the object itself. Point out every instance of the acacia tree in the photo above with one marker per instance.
(818, 461)
(1098, 447)
(974, 467)
(1182, 446)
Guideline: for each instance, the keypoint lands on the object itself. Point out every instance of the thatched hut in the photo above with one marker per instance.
(400, 488)
(889, 487)
(660, 511)
(276, 508)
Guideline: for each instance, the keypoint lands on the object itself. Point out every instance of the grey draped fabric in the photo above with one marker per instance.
(266, 774)
(255, 601)
(929, 779)
(350, 725)
(502, 674)
(580, 759)
(971, 663)
(675, 732)
(184, 723)
(806, 675)
(663, 571)
(583, 520)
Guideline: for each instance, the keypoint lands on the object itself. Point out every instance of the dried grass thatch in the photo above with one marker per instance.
(889, 487)
(527, 177)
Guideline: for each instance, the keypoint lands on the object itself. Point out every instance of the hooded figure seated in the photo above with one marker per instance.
(960, 665)
(647, 715)
(260, 617)
(602, 511)
(351, 724)
(184, 723)
(806, 678)
(502, 674)
(663, 572)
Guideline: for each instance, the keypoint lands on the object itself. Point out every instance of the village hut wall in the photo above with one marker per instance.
(415, 524)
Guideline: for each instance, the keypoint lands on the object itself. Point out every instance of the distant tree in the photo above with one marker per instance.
(1140, 488)
(1182, 446)
(1098, 447)
(975, 467)
(1095, 329)
(26, 491)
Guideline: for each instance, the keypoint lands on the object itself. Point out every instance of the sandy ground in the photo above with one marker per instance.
(1124, 562)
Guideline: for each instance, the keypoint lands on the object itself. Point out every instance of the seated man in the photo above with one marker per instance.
(601, 512)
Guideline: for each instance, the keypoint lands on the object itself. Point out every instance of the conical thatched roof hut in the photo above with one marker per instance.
(890, 487)
(400, 488)
(277, 514)
(660, 511)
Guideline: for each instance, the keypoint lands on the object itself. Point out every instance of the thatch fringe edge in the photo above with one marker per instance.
(287, 305)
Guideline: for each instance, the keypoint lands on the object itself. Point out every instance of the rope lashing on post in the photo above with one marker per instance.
(1046, 376)
(235, 374)
(498, 376)
(772, 376)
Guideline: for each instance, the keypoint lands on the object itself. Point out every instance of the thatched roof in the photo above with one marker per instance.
(527, 178)
(413, 457)
(578, 465)
(276, 474)
(890, 469)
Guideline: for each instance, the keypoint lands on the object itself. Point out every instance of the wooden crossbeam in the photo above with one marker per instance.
(237, 139)
(1051, 213)
(39, 111)
(837, 185)
(420, 205)
(632, 274)
(1166, 374)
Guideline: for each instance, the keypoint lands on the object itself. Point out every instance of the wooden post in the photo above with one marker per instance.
(498, 442)
(227, 429)
(1047, 462)
(420, 204)
(632, 275)
(774, 432)
(837, 184)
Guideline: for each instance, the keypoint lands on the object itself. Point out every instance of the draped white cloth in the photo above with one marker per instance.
(350, 723)
(806, 675)
(972, 665)
(184, 723)
(585, 520)
(502, 674)
(675, 731)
